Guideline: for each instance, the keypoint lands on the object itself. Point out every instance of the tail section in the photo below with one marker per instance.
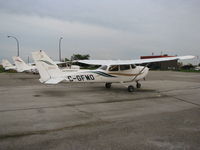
(7, 65)
(20, 64)
(48, 70)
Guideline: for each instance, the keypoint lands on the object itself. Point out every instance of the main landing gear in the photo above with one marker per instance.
(138, 85)
(131, 88)
(108, 85)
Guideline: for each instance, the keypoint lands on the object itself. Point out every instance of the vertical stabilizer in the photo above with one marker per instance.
(7, 65)
(47, 68)
(20, 64)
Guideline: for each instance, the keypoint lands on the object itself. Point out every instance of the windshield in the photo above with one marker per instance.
(133, 66)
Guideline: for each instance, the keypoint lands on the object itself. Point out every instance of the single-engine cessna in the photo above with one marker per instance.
(111, 71)
(21, 66)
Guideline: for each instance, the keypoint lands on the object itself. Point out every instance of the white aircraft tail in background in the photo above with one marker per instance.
(22, 66)
(7, 65)
(111, 71)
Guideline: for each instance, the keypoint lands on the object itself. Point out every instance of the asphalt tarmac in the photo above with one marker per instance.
(163, 115)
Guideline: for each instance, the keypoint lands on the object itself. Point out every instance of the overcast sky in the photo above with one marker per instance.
(105, 29)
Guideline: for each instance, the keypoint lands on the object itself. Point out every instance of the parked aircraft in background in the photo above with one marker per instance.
(111, 71)
(21, 66)
(7, 65)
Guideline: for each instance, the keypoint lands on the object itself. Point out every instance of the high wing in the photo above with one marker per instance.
(136, 61)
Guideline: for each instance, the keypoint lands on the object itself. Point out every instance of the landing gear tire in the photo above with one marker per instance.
(130, 88)
(138, 85)
(108, 85)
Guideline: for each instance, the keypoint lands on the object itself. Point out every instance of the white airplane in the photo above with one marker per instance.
(7, 65)
(111, 71)
(21, 66)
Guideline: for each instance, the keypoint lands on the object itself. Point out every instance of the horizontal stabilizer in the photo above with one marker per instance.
(54, 81)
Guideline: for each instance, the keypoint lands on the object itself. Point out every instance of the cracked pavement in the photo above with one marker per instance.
(163, 114)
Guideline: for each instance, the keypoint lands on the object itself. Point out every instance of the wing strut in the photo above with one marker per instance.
(139, 72)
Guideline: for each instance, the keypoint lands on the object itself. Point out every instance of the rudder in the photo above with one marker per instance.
(47, 68)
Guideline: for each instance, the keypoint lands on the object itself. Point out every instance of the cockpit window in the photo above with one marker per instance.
(104, 67)
(124, 67)
(114, 68)
(133, 66)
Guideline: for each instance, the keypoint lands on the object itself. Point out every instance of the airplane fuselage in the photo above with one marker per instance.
(99, 75)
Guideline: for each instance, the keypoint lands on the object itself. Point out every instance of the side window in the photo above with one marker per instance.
(104, 67)
(114, 68)
(133, 66)
(124, 67)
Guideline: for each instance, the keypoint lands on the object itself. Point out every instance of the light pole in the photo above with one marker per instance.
(17, 43)
(60, 48)
(28, 59)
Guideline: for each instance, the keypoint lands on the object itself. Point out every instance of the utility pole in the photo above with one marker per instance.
(17, 43)
(28, 60)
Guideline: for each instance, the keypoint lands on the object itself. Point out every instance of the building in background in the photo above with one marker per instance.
(166, 65)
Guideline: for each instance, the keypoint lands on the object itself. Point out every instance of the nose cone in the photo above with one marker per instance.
(146, 70)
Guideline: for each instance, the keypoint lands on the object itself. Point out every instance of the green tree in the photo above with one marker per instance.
(80, 57)
(66, 59)
(1, 69)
